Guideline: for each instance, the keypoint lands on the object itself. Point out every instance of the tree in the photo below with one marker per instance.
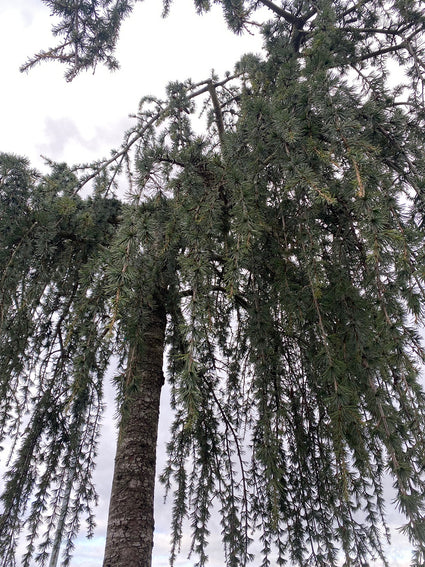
(280, 257)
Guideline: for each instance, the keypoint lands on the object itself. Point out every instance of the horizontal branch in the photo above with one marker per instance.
(208, 84)
(383, 51)
(384, 31)
(54, 53)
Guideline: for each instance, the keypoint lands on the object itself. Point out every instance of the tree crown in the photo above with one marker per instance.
(288, 246)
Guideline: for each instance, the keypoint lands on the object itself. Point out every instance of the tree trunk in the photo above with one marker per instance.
(129, 538)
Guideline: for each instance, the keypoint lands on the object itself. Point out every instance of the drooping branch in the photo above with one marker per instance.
(90, 31)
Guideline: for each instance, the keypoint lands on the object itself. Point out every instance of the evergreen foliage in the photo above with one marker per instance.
(53, 349)
(287, 247)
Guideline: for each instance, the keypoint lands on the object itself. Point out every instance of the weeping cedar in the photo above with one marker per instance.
(281, 258)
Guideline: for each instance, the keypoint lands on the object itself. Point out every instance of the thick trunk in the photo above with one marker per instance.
(129, 538)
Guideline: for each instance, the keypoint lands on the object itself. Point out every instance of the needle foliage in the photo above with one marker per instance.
(287, 242)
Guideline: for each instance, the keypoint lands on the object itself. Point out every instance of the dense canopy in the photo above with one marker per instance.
(285, 247)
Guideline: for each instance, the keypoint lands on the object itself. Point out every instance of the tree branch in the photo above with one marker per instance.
(217, 111)
(290, 18)
(383, 51)
(297, 21)
(162, 113)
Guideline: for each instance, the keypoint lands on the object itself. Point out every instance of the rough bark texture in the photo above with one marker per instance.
(129, 538)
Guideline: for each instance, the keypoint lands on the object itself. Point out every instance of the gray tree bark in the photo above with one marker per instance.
(129, 538)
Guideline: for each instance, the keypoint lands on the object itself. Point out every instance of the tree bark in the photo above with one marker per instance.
(129, 538)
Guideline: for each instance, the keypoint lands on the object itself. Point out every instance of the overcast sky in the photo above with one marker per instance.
(41, 114)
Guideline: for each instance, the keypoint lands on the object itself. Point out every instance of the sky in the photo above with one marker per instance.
(43, 115)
